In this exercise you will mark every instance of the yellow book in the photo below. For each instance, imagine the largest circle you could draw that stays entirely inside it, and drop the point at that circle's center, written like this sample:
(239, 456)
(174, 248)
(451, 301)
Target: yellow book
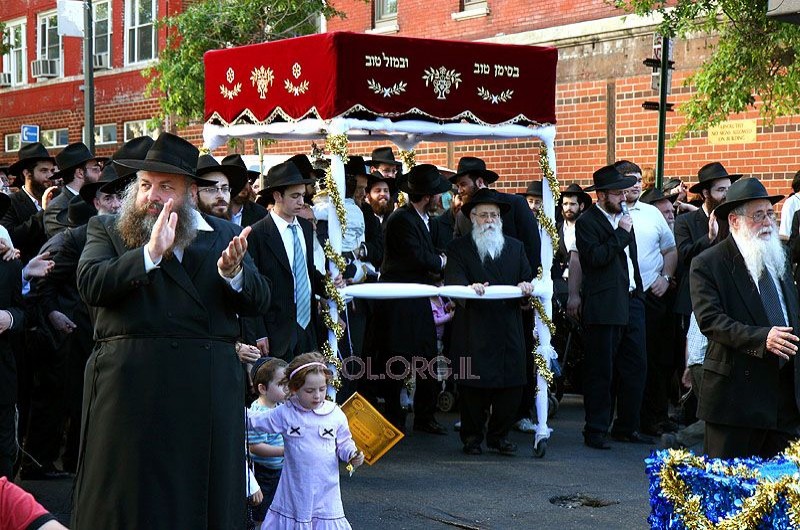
(373, 435)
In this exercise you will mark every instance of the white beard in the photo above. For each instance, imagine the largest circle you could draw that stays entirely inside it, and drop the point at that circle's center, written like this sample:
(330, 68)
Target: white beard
(760, 253)
(489, 239)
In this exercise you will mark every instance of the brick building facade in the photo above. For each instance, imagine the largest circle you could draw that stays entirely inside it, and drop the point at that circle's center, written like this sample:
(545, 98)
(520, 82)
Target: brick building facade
(601, 86)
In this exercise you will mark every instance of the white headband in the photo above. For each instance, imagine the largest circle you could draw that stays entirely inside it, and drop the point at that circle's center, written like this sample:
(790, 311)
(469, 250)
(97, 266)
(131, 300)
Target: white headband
(306, 366)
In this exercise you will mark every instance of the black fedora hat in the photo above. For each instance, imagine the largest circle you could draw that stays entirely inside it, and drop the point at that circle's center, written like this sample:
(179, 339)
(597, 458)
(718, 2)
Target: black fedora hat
(306, 169)
(72, 156)
(472, 165)
(383, 155)
(237, 176)
(355, 166)
(711, 172)
(236, 160)
(35, 152)
(169, 154)
(742, 191)
(109, 182)
(135, 149)
(5, 202)
(608, 178)
(653, 195)
(534, 188)
(282, 175)
(424, 179)
(671, 184)
(376, 176)
(77, 213)
(575, 190)
(486, 196)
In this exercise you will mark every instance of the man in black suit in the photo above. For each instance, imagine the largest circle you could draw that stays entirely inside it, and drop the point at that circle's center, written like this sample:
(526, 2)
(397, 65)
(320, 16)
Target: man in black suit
(746, 304)
(33, 171)
(489, 332)
(244, 210)
(698, 230)
(613, 314)
(230, 180)
(404, 328)
(282, 248)
(164, 386)
(77, 166)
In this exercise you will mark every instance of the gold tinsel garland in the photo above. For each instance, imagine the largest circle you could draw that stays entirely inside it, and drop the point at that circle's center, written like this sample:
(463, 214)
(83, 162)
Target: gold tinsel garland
(754, 508)
(547, 173)
(409, 158)
(548, 225)
(542, 366)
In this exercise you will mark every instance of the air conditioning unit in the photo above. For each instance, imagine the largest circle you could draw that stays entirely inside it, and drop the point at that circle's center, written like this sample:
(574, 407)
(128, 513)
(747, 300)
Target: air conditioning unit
(44, 68)
(5, 79)
(102, 61)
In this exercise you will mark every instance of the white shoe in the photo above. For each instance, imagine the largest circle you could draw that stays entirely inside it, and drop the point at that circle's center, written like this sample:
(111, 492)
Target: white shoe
(525, 425)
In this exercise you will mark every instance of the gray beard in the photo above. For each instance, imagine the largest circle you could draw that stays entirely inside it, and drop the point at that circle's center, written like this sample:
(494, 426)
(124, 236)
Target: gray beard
(760, 254)
(488, 239)
(135, 225)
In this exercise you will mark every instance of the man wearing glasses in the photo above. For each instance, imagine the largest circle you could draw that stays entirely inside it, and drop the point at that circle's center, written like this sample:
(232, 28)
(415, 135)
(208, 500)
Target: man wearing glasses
(613, 314)
(230, 180)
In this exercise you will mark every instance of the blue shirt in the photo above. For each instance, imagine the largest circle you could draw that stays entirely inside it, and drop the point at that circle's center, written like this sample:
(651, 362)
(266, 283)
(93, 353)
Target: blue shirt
(258, 437)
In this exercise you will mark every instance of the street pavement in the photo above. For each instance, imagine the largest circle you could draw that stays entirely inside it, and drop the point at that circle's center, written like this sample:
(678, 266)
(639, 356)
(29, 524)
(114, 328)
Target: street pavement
(426, 482)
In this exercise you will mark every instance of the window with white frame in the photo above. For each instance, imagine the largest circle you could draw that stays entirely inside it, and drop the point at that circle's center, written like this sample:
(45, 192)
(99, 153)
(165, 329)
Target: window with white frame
(140, 30)
(102, 26)
(385, 11)
(14, 62)
(54, 137)
(105, 133)
(48, 37)
(12, 142)
(134, 129)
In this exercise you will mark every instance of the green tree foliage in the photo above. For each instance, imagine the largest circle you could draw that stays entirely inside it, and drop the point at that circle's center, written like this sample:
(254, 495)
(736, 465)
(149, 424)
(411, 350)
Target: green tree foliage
(177, 77)
(5, 46)
(753, 56)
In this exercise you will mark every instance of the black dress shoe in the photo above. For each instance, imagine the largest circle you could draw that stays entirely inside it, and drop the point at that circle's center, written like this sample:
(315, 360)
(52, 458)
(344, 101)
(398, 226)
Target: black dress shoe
(596, 441)
(472, 449)
(46, 472)
(634, 437)
(504, 447)
(432, 427)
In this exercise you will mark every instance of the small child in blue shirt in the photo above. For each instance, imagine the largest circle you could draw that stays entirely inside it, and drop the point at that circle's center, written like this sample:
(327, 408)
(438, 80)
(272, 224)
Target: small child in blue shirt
(266, 449)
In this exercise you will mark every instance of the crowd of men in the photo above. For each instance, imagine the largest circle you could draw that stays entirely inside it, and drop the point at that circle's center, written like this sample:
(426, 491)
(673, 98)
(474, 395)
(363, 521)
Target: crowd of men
(136, 289)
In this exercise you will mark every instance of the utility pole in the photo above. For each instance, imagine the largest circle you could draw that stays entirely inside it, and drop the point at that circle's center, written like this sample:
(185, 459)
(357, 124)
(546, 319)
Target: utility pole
(663, 65)
(88, 74)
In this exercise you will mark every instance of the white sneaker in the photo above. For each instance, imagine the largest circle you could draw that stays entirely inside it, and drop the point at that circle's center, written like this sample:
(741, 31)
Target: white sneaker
(525, 425)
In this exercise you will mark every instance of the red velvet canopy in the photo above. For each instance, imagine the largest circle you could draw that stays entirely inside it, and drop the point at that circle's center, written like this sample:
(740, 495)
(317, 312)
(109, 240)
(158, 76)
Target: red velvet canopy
(366, 76)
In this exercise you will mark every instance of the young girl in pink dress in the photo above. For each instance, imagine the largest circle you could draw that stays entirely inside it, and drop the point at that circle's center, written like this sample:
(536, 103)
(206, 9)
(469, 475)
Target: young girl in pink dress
(315, 437)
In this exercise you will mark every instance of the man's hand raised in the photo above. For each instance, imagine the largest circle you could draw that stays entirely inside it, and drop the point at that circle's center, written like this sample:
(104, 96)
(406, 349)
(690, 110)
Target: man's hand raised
(229, 263)
(781, 342)
(162, 236)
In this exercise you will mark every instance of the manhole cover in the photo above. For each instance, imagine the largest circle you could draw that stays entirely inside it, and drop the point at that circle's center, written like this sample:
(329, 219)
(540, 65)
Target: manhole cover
(579, 499)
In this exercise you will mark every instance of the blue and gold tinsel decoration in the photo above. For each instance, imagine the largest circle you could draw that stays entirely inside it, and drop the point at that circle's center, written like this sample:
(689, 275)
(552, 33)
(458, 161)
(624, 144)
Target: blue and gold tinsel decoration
(698, 493)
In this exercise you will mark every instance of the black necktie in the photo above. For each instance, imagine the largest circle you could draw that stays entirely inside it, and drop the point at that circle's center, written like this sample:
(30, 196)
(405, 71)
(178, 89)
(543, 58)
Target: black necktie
(772, 304)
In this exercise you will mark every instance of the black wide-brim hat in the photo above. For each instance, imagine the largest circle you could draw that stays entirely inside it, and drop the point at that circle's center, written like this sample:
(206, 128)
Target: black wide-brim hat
(711, 172)
(575, 190)
(5, 202)
(72, 156)
(306, 168)
(424, 179)
(134, 149)
(534, 189)
(35, 152)
(236, 160)
(742, 191)
(376, 176)
(608, 178)
(653, 195)
(283, 175)
(169, 154)
(355, 166)
(486, 196)
(77, 213)
(383, 155)
(109, 182)
(672, 183)
(237, 176)
(471, 165)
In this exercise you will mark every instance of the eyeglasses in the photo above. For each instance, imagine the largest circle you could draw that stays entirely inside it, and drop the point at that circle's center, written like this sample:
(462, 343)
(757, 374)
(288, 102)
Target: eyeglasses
(225, 190)
(759, 217)
(487, 215)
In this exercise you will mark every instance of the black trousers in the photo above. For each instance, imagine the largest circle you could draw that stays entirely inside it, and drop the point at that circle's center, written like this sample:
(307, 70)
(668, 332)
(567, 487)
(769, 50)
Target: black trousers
(475, 404)
(615, 364)
(660, 324)
(526, 404)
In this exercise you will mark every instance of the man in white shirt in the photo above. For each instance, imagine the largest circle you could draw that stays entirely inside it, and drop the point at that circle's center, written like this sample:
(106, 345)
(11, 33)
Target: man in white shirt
(790, 207)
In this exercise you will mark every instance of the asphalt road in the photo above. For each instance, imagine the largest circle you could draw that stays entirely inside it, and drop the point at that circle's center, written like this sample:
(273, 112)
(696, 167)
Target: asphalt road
(426, 482)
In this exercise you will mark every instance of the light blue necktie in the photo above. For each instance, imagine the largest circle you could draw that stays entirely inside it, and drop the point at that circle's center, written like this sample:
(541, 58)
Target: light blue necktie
(302, 292)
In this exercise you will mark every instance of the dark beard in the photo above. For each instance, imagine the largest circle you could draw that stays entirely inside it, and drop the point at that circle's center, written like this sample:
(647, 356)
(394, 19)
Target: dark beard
(712, 203)
(382, 209)
(244, 197)
(209, 210)
(135, 224)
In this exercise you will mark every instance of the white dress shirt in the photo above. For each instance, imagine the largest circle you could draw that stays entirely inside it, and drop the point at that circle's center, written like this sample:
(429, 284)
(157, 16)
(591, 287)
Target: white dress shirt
(653, 238)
